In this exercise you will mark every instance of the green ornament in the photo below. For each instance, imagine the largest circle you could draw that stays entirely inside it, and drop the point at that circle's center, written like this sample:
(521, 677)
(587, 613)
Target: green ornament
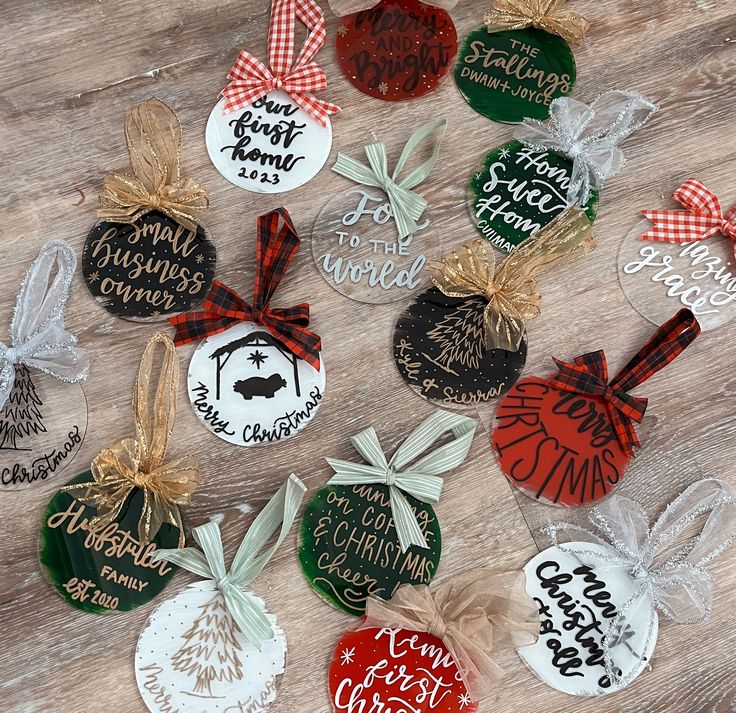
(105, 571)
(348, 547)
(511, 75)
(518, 191)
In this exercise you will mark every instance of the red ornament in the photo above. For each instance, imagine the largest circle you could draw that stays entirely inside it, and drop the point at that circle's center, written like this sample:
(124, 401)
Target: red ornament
(396, 670)
(398, 49)
(557, 446)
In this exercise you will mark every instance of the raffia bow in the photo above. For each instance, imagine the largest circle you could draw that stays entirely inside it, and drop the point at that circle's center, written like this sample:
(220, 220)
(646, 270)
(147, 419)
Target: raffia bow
(588, 136)
(510, 287)
(472, 614)
(667, 564)
(420, 480)
(153, 135)
(407, 206)
(250, 559)
(548, 15)
(38, 337)
(138, 463)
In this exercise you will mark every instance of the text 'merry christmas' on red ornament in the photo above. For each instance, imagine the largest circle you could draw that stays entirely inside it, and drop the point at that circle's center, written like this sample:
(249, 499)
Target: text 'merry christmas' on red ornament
(42, 422)
(568, 439)
(395, 49)
(100, 532)
(269, 133)
(686, 258)
(463, 342)
(215, 647)
(370, 242)
(524, 184)
(257, 376)
(149, 257)
(599, 591)
(520, 61)
(430, 650)
(373, 527)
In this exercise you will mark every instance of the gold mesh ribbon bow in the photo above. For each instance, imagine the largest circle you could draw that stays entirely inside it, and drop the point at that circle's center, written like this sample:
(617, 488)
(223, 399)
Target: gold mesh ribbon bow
(548, 15)
(471, 614)
(138, 463)
(510, 287)
(153, 135)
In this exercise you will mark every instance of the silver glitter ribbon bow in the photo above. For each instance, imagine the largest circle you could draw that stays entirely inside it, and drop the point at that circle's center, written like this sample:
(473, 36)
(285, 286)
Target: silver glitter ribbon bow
(588, 136)
(37, 335)
(667, 563)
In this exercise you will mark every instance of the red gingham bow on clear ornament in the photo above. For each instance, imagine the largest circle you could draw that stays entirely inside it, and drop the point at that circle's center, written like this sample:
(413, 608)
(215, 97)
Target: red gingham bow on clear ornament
(701, 219)
(250, 79)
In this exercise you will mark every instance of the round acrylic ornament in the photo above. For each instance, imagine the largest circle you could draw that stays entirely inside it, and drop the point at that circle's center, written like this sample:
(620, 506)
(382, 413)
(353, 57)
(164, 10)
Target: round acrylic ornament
(511, 75)
(357, 249)
(42, 426)
(106, 571)
(399, 49)
(348, 547)
(385, 668)
(557, 447)
(579, 594)
(440, 352)
(249, 389)
(659, 278)
(272, 146)
(191, 657)
(148, 270)
(519, 190)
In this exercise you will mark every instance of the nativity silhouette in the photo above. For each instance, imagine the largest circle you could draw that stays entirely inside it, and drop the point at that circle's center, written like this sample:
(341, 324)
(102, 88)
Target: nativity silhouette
(256, 385)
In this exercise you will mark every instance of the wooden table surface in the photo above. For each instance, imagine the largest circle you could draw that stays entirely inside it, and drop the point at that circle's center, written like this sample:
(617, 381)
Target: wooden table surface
(72, 68)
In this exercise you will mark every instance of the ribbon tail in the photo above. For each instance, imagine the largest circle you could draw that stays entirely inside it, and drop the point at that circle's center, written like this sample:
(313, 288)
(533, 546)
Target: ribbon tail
(249, 617)
(188, 558)
(7, 379)
(318, 109)
(407, 527)
(677, 226)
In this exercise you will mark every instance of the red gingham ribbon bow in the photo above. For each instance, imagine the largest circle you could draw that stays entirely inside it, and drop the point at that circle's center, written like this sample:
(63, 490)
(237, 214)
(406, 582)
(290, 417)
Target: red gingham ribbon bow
(224, 307)
(588, 374)
(250, 79)
(702, 218)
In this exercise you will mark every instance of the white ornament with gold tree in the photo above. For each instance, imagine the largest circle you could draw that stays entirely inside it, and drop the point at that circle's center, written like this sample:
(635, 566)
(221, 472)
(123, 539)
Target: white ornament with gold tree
(215, 647)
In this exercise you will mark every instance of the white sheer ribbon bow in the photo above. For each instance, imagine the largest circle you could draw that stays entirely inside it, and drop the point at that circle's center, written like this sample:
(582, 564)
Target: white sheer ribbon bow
(588, 136)
(37, 335)
(667, 562)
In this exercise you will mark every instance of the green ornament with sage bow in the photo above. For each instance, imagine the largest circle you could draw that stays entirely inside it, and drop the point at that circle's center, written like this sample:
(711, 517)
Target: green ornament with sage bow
(373, 527)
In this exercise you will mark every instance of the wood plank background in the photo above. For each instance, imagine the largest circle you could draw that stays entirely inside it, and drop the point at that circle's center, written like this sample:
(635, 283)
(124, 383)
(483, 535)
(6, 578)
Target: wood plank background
(71, 69)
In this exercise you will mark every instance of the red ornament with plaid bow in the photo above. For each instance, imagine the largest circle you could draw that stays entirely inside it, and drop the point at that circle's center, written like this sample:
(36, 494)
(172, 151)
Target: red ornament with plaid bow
(568, 439)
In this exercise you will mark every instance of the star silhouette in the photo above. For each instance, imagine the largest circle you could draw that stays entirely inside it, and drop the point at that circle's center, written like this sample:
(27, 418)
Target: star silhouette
(257, 358)
(464, 699)
(383, 88)
(505, 153)
(347, 655)
(200, 259)
(342, 30)
(94, 276)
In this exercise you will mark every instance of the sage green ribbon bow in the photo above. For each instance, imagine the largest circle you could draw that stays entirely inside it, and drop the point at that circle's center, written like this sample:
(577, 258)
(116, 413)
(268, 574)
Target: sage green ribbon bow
(249, 561)
(420, 480)
(406, 205)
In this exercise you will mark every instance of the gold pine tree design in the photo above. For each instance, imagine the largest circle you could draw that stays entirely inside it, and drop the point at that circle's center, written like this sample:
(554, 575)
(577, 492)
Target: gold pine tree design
(210, 650)
(459, 337)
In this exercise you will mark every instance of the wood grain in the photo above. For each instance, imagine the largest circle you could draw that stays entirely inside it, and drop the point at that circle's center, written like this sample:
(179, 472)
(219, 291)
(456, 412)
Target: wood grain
(69, 73)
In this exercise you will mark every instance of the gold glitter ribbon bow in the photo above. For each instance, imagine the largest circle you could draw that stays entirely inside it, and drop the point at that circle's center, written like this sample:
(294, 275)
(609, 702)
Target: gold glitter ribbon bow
(153, 135)
(510, 287)
(472, 614)
(548, 15)
(138, 463)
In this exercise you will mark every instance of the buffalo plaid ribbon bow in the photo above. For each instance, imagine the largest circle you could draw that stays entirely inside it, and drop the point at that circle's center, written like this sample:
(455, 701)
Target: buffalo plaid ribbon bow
(588, 375)
(250, 79)
(276, 244)
(701, 219)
